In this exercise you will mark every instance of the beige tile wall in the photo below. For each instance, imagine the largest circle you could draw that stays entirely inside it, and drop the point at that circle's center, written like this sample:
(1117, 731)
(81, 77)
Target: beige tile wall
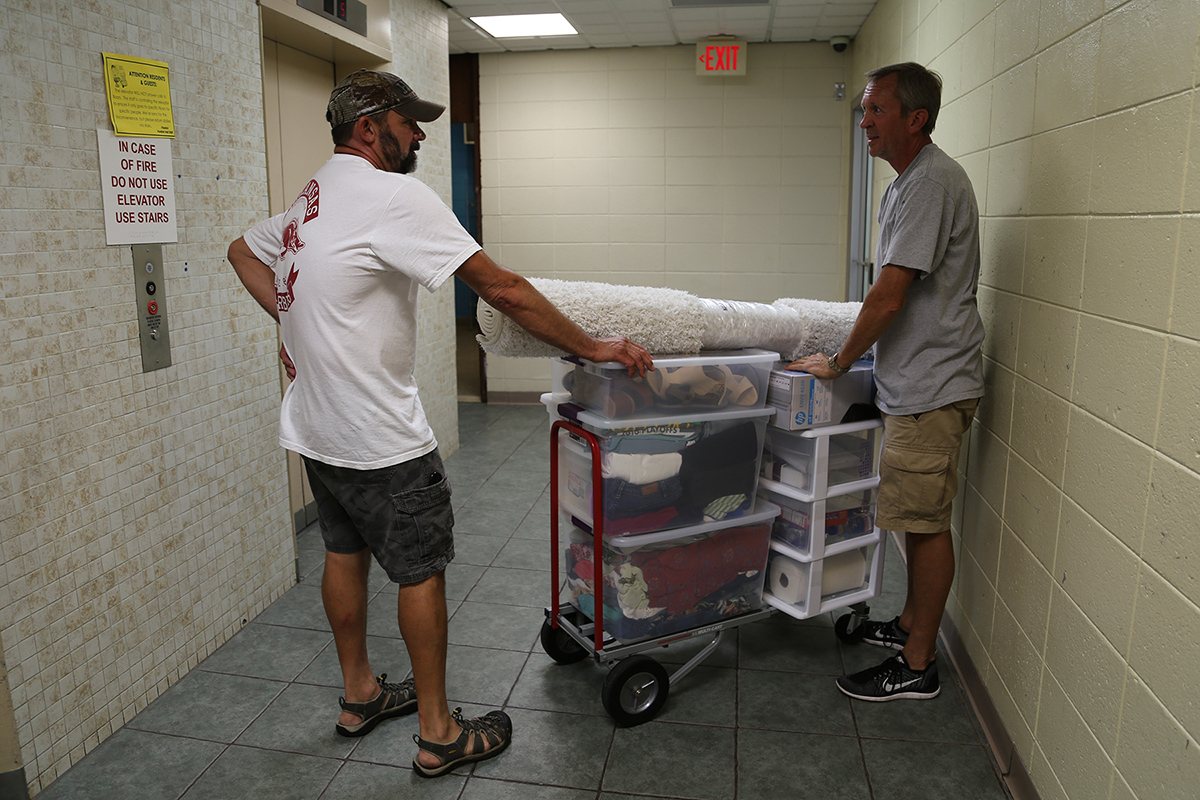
(144, 516)
(624, 166)
(1079, 568)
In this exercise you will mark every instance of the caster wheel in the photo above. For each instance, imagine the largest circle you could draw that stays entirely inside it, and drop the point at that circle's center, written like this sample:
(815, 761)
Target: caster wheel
(848, 634)
(559, 645)
(635, 690)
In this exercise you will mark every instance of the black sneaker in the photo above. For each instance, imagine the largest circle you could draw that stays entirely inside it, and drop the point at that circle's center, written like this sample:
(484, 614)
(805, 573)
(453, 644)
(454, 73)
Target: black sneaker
(892, 680)
(885, 634)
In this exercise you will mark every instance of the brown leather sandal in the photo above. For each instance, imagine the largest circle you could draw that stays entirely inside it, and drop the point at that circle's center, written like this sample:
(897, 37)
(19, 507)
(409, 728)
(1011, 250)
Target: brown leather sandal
(493, 730)
(393, 700)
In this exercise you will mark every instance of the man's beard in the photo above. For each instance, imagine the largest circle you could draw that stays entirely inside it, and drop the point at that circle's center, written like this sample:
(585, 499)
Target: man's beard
(394, 160)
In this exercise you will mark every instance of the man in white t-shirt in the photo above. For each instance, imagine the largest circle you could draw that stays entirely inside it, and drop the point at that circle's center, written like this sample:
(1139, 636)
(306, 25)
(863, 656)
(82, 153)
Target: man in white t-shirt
(341, 270)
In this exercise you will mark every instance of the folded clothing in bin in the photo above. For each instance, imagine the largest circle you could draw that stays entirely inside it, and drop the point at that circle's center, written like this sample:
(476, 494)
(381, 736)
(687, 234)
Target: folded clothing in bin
(698, 575)
(712, 477)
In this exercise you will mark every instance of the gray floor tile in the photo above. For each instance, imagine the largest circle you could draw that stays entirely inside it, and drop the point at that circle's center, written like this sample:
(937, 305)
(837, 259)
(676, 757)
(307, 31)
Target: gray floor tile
(793, 701)
(924, 771)
(519, 587)
(553, 748)
(571, 688)
(490, 515)
(381, 616)
(268, 651)
(497, 626)
(788, 766)
(134, 765)
(208, 705)
(666, 758)
(527, 554)
(475, 548)
(480, 675)
(479, 788)
(300, 607)
(310, 566)
(785, 647)
(251, 772)
(382, 782)
(387, 655)
(461, 579)
(300, 720)
(537, 524)
(706, 696)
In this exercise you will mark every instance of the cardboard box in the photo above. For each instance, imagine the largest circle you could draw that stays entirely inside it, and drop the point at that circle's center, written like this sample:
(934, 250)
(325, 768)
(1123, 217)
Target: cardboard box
(805, 401)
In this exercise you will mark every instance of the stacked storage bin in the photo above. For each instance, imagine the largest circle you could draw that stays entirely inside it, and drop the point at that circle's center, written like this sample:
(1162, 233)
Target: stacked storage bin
(826, 552)
(685, 536)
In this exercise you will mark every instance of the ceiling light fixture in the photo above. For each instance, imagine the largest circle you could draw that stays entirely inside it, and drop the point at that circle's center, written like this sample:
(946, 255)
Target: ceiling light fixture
(525, 26)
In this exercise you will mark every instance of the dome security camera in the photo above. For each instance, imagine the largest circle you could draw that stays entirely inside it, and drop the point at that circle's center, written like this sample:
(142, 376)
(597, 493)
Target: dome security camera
(839, 43)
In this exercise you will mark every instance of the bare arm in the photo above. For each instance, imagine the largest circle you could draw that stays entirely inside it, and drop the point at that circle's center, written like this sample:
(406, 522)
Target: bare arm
(257, 277)
(515, 297)
(881, 305)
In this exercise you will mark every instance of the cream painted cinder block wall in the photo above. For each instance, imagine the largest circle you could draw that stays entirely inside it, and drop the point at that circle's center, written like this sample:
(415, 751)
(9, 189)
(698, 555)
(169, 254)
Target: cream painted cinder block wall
(624, 166)
(1079, 565)
(144, 516)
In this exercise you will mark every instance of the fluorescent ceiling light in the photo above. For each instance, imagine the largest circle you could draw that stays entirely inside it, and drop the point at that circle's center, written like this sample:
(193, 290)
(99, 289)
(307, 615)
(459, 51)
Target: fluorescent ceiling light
(525, 25)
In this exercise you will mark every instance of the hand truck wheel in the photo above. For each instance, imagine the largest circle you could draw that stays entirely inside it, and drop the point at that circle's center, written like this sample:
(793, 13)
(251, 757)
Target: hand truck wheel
(635, 690)
(559, 645)
(851, 628)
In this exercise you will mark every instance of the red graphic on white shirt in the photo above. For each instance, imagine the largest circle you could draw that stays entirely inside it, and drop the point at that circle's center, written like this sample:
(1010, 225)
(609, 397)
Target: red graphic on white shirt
(311, 197)
(291, 240)
(284, 300)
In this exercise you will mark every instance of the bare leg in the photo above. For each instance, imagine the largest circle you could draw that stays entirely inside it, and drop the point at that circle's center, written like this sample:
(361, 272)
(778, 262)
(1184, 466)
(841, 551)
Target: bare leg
(931, 572)
(344, 593)
(421, 612)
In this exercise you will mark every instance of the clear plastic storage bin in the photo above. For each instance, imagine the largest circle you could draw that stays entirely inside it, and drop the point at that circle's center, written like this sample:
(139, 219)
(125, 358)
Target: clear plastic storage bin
(804, 589)
(847, 517)
(656, 584)
(660, 474)
(819, 460)
(717, 380)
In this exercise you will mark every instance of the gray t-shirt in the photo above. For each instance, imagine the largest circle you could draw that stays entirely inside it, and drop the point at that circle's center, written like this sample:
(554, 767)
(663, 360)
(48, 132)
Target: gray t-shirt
(930, 356)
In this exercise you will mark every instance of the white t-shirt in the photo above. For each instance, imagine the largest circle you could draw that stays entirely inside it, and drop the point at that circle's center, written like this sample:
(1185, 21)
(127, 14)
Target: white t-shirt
(348, 257)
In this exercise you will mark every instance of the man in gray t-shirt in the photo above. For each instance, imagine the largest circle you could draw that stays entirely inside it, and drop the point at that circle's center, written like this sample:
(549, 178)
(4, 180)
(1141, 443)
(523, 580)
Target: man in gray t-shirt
(922, 317)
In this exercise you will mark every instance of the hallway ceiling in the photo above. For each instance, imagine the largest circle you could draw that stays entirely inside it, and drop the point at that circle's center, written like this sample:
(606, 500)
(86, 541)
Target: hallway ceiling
(651, 23)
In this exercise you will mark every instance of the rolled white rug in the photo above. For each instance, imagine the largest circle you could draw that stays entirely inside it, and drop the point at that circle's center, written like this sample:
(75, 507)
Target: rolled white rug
(661, 320)
(826, 326)
(668, 321)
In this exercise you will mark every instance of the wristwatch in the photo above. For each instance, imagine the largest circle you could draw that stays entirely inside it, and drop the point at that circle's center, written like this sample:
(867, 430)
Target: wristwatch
(836, 367)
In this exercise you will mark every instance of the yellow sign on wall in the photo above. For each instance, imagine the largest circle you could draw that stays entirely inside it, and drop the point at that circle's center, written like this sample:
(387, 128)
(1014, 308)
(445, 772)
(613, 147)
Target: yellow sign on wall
(139, 96)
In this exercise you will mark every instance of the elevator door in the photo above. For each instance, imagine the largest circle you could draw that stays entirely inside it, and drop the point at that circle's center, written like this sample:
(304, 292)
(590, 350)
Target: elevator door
(296, 89)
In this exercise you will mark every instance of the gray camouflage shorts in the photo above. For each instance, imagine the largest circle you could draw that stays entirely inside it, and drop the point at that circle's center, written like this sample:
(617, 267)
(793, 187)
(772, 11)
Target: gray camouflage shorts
(401, 512)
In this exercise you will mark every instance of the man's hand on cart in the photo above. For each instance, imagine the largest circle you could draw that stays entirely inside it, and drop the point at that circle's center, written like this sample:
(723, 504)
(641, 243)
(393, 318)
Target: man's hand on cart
(636, 358)
(816, 364)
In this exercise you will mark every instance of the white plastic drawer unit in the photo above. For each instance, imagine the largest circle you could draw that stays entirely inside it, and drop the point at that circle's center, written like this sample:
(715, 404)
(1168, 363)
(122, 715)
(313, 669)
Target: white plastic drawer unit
(659, 474)
(817, 527)
(717, 380)
(819, 460)
(803, 589)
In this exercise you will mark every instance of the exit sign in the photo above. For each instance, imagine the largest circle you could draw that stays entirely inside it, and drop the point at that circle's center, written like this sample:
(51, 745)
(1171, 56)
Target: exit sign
(721, 57)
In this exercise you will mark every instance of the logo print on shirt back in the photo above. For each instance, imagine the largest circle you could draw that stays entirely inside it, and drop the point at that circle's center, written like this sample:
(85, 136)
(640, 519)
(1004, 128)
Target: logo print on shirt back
(284, 300)
(312, 196)
(291, 240)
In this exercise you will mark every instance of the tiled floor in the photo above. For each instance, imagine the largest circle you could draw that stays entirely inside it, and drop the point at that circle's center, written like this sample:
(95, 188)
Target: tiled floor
(759, 719)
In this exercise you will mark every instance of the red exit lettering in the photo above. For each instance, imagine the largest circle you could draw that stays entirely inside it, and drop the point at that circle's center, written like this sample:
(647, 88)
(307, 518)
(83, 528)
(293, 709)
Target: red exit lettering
(720, 58)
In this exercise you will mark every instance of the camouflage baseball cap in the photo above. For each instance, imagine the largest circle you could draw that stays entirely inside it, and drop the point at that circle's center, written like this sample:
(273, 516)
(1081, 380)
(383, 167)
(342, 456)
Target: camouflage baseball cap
(367, 92)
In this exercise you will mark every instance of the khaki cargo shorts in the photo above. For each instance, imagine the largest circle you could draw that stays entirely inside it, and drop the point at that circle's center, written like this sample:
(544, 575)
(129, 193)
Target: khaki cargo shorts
(918, 470)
